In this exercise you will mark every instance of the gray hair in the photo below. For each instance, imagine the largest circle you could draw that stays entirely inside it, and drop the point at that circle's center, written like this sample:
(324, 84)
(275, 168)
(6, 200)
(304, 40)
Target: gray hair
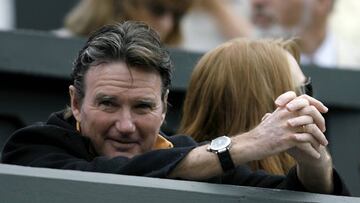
(133, 43)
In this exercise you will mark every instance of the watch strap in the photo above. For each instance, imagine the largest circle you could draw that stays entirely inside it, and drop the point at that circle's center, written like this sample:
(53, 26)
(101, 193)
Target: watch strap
(226, 161)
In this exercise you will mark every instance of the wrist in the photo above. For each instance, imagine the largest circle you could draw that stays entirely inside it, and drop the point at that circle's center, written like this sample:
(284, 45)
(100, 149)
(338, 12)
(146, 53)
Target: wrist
(324, 160)
(243, 149)
(221, 146)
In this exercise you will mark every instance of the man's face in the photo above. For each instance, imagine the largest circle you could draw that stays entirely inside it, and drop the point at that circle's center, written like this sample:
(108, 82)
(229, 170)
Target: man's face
(122, 110)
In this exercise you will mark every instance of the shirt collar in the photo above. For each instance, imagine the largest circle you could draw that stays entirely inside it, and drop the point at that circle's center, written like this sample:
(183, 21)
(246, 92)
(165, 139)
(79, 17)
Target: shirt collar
(162, 143)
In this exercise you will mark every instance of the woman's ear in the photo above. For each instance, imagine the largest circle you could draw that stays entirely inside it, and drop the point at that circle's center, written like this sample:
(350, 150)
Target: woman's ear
(74, 102)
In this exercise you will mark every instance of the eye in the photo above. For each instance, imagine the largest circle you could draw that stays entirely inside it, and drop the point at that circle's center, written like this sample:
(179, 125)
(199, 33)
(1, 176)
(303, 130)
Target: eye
(107, 105)
(144, 107)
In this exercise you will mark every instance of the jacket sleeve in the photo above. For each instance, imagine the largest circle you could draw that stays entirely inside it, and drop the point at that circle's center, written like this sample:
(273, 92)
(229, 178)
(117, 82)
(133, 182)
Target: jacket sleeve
(53, 148)
(242, 175)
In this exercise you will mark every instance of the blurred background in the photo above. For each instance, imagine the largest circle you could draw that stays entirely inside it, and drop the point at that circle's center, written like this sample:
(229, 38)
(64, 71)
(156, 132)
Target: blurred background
(49, 15)
(343, 20)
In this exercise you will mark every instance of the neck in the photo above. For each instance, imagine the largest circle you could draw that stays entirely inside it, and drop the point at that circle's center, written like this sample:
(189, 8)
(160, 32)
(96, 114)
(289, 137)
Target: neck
(312, 37)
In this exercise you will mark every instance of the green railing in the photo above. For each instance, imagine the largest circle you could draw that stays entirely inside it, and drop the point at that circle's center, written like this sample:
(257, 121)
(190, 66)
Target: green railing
(26, 184)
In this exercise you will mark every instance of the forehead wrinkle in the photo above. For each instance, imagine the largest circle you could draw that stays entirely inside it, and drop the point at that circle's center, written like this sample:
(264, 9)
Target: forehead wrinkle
(115, 79)
(113, 82)
(106, 75)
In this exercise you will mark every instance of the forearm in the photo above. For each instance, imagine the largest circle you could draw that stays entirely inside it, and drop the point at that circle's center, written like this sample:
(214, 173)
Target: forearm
(197, 165)
(318, 175)
(200, 164)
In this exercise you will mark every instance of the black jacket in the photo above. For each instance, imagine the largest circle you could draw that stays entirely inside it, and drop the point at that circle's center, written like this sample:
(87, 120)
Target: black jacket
(56, 144)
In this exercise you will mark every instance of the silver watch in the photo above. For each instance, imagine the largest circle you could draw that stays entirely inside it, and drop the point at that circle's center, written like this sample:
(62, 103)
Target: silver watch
(221, 147)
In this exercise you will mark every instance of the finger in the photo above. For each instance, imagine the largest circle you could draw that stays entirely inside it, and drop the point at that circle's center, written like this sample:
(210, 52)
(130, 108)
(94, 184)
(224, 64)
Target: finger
(308, 138)
(265, 116)
(285, 98)
(316, 133)
(300, 121)
(297, 104)
(318, 119)
(308, 149)
(318, 104)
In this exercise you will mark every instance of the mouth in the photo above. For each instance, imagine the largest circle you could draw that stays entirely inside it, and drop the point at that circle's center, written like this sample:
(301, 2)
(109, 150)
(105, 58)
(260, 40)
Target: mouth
(122, 145)
(262, 18)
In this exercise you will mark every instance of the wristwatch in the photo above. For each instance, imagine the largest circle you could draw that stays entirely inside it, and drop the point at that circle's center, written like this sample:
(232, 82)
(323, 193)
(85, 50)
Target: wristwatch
(221, 146)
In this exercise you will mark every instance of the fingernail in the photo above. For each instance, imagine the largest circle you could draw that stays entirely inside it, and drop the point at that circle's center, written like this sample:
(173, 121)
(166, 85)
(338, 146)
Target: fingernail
(278, 103)
(290, 107)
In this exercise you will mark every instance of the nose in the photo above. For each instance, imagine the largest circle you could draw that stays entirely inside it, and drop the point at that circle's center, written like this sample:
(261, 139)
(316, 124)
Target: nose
(125, 123)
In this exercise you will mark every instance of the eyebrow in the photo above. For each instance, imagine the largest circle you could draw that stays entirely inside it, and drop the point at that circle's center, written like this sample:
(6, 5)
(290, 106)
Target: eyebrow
(149, 101)
(146, 99)
(102, 96)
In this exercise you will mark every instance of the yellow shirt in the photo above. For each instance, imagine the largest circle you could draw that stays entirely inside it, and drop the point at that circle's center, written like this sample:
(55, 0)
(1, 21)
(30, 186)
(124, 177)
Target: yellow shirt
(162, 143)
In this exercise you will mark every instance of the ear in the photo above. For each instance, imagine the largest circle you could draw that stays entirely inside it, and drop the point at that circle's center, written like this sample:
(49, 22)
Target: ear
(74, 102)
(164, 106)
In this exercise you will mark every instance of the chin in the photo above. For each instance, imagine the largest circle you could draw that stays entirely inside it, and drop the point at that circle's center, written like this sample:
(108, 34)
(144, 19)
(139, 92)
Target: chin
(123, 154)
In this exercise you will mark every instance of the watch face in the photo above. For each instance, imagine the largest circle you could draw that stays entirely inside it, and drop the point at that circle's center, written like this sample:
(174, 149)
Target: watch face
(220, 143)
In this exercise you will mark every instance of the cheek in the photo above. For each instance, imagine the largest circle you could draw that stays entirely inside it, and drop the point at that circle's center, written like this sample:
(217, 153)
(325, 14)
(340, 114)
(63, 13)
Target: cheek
(151, 123)
(96, 124)
(149, 126)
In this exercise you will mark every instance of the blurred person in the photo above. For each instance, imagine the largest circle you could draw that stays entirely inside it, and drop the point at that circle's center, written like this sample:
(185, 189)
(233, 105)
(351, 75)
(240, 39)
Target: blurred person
(212, 22)
(118, 97)
(308, 20)
(163, 15)
(263, 19)
(235, 85)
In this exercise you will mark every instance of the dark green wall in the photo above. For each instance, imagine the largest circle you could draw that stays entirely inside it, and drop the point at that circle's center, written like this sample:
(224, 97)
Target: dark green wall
(41, 14)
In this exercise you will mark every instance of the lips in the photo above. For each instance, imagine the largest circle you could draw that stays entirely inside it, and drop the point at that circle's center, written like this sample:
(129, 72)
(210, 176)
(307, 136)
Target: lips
(122, 144)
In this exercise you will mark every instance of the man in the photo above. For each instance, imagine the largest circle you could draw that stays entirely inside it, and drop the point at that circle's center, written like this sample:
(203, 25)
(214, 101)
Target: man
(308, 20)
(121, 81)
